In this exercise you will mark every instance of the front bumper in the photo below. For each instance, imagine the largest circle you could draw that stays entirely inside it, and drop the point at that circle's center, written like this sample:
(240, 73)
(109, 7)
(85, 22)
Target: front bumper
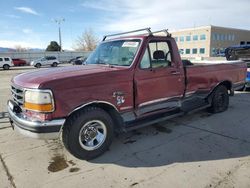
(35, 129)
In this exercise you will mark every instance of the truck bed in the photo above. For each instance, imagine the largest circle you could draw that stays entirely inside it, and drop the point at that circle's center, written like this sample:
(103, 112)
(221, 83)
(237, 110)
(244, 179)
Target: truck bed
(203, 76)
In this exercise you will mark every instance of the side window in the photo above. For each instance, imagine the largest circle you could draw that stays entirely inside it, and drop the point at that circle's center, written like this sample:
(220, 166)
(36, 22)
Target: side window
(145, 62)
(1, 59)
(160, 54)
(6, 59)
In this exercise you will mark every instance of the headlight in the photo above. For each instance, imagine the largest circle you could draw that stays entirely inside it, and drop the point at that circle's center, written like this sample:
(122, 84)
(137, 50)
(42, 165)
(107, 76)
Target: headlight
(40, 101)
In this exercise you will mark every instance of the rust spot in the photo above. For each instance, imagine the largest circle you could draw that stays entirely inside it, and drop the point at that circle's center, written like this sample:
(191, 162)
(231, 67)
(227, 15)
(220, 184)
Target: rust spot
(58, 163)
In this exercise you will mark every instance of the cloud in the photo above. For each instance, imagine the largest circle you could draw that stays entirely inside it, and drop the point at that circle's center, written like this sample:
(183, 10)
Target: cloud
(27, 10)
(13, 44)
(27, 31)
(12, 16)
(123, 15)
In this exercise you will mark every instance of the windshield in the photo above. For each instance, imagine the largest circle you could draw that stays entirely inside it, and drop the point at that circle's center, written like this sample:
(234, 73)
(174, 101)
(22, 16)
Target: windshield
(119, 52)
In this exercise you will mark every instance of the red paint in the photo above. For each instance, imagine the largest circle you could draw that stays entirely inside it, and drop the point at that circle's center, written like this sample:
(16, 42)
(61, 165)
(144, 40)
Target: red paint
(19, 62)
(78, 85)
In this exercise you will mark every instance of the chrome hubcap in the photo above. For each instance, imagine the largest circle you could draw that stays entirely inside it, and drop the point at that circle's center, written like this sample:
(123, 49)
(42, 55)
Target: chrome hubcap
(92, 135)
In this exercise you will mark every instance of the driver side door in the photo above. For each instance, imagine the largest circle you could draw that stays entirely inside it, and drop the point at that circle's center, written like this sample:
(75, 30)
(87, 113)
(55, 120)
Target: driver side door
(158, 81)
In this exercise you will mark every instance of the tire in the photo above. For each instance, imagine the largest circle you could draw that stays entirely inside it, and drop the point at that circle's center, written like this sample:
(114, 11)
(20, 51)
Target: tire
(54, 64)
(220, 100)
(6, 67)
(38, 65)
(80, 133)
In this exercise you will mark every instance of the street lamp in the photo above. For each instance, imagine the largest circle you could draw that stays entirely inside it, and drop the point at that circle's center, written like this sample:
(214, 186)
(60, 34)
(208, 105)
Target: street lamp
(59, 21)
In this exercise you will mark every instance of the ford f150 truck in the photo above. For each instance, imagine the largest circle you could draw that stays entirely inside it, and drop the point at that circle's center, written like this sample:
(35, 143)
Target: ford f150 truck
(126, 83)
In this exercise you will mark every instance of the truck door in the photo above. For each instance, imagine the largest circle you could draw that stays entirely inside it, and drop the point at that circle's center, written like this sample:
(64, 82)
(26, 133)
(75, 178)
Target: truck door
(159, 83)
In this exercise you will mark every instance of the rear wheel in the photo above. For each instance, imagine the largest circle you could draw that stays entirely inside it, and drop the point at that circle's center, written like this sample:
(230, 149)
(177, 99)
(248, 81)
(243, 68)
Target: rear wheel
(54, 64)
(38, 65)
(220, 100)
(88, 133)
(6, 67)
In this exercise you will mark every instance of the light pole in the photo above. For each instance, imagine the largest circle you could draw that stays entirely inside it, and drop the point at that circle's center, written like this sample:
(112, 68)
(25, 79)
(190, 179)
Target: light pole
(59, 21)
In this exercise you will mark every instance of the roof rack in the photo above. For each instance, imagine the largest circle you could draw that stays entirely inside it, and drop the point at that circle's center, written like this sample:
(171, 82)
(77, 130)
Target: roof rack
(148, 29)
(134, 31)
(163, 31)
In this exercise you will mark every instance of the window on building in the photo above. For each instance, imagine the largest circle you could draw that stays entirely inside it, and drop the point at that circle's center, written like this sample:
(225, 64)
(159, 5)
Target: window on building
(222, 37)
(181, 39)
(233, 37)
(195, 37)
(181, 51)
(176, 39)
(242, 43)
(188, 38)
(203, 37)
(218, 37)
(202, 50)
(214, 36)
(213, 51)
(194, 51)
(187, 51)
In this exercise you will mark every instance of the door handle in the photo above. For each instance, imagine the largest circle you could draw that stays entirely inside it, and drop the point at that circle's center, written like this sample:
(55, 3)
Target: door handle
(175, 72)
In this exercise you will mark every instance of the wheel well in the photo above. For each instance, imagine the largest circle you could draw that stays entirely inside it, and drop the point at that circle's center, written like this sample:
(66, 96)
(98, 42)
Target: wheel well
(225, 83)
(112, 111)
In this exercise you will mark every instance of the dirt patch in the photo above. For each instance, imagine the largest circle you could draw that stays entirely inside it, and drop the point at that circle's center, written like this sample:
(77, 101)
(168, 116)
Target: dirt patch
(162, 129)
(130, 141)
(74, 169)
(58, 163)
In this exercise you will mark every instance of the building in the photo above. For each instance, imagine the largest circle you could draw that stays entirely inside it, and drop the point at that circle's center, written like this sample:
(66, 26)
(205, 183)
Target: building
(208, 41)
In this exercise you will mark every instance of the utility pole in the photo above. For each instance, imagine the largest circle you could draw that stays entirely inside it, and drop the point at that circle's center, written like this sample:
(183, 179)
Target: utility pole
(59, 21)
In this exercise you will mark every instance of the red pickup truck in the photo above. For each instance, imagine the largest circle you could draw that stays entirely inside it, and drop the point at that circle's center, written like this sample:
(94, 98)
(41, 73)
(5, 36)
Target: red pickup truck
(126, 83)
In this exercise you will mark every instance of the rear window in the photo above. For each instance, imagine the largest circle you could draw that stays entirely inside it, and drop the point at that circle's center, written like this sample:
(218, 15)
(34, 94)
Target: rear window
(6, 59)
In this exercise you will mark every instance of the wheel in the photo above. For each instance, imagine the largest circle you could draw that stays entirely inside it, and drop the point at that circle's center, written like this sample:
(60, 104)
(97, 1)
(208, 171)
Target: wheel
(88, 133)
(54, 64)
(38, 65)
(220, 100)
(6, 67)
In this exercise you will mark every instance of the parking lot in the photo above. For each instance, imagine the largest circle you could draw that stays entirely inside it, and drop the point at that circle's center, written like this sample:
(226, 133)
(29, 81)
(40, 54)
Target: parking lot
(197, 150)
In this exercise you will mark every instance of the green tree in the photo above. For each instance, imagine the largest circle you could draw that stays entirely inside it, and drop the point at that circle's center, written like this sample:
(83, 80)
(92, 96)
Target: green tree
(53, 46)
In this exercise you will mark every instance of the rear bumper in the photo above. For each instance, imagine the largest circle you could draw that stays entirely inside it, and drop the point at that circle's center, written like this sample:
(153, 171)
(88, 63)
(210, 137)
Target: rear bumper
(40, 130)
(239, 85)
(247, 83)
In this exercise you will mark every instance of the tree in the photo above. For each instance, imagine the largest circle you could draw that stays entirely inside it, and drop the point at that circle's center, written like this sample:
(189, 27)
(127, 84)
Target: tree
(87, 42)
(53, 46)
(19, 48)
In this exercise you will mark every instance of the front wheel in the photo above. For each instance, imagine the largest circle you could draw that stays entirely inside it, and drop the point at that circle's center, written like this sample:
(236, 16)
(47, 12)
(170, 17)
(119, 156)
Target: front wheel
(220, 100)
(6, 67)
(88, 133)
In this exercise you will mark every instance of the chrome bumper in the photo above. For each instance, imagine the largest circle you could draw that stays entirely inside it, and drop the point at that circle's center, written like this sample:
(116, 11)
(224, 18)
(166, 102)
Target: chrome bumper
(40, 130)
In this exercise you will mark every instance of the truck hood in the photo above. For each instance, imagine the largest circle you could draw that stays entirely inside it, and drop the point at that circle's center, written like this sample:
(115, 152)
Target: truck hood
(36, 79)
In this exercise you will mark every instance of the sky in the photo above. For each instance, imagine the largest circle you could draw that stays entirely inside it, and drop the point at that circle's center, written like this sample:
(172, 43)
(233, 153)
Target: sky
(30, 23)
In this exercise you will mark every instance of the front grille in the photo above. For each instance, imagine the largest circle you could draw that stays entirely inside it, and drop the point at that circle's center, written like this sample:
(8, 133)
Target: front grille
(17, 94)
